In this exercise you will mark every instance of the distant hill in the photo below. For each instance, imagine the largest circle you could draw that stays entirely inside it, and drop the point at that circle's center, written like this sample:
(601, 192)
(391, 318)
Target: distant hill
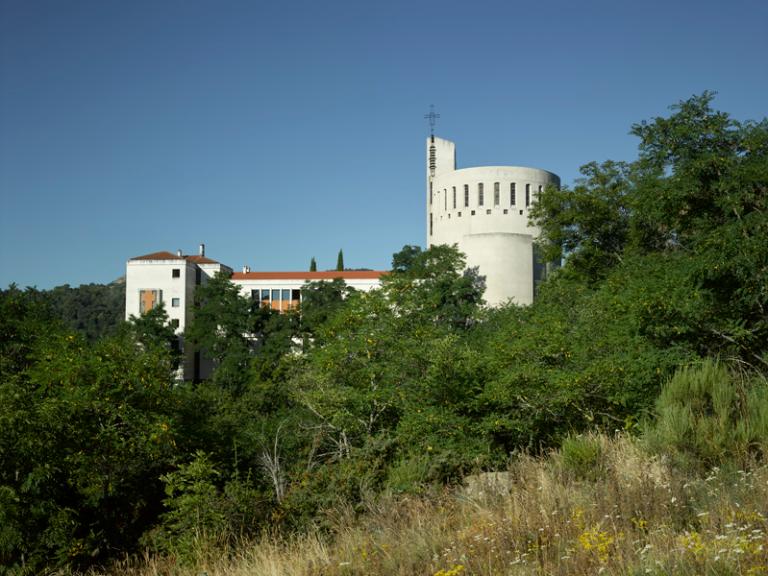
(93, 309)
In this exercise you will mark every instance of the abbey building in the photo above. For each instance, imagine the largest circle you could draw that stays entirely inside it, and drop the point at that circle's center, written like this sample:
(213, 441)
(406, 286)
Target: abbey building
(484, 211)
(170, 278)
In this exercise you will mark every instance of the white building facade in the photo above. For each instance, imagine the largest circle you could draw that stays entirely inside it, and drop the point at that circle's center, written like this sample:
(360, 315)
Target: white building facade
(484, 212)
(171, 279)
(282, 290)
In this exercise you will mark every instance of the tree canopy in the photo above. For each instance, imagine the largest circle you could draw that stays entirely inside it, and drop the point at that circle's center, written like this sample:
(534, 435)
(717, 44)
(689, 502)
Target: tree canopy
(416, 383)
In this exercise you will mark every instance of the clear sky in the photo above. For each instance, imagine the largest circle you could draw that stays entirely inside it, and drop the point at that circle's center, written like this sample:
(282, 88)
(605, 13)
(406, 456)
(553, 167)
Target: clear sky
(277, 131)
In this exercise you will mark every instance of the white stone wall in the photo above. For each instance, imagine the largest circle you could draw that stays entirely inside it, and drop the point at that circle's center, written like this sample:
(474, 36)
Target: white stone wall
(157, 275)
(247, 285)
(495, 236)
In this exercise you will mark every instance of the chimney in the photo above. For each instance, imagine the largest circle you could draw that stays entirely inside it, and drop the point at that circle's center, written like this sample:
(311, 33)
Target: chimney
(201, 252)
(246, 269)
(178, 252)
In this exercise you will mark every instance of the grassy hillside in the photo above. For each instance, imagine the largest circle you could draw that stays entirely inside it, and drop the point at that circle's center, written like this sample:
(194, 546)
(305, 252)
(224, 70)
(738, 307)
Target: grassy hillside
(599, 505)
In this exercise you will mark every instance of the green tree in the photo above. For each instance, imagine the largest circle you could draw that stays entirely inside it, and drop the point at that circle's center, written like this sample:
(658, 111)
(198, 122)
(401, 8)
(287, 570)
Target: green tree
(154, 332)
(698, 192)
(589, 223)
(313, 265)
(340, 261)
(96, 310)
(85, 432)
(702, 184)
(221, 327)
(435, 286)
(374, 369)
(320, 301)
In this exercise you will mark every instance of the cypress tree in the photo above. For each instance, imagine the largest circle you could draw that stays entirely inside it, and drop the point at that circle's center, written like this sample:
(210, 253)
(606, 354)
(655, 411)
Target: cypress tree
(313, 265)
(340, 261)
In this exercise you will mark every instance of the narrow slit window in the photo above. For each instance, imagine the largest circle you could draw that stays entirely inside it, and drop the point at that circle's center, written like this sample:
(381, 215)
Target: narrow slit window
(454, 197)
(480, 194)
(466, 195)
(496, 194)
(512, 194)
(527, 194)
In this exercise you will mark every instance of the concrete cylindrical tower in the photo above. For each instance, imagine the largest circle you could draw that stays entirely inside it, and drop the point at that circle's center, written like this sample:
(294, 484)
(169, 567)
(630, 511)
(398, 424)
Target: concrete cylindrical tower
(484, 211)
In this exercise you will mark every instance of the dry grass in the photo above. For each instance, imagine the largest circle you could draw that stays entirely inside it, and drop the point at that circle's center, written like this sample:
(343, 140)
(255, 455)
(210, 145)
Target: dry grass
(638, 516)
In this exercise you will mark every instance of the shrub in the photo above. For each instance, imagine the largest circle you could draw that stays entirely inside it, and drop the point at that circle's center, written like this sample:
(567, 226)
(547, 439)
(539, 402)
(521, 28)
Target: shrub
(582, 456)
(708, 415)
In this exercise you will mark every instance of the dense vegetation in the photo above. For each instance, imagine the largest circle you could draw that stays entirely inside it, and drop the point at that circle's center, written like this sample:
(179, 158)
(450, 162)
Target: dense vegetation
(410, 386)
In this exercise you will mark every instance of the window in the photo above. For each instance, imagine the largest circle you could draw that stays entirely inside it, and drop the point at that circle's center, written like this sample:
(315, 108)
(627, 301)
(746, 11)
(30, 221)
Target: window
(176, 273)
(275, 295)
(459, 214)
(430, 193)
(496, 193)
(148, 299)
(454, 197)
(512, 194)
(466, 195)
(527, 194)
(295, 298)
(430, 223)
(174, 322)
(505, 211)
(445, 199)
(472, 213)
(488, 211)
(264, 297)
(480, 194)
(175, 302)
(254, 294)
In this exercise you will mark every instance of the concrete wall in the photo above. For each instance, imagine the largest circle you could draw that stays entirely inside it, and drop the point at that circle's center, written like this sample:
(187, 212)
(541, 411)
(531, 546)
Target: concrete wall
(158, 275)
(246, 285)
(494, 234)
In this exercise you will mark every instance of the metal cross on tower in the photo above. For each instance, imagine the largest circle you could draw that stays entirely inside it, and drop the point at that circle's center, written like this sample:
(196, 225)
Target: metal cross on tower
(432, 117)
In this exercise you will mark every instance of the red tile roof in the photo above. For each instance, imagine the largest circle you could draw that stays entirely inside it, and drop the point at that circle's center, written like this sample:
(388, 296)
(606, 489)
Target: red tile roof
(307, 276)
(158, 256)
(201, 260)
(171, 256)
(329, 275)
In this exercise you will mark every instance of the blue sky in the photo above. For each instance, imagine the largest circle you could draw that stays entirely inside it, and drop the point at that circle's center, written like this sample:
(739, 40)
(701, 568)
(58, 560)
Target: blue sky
(277, 131)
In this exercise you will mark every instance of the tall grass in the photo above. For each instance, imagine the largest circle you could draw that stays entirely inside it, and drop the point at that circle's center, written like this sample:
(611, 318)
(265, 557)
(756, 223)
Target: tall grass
(689, 498)
(638, 515)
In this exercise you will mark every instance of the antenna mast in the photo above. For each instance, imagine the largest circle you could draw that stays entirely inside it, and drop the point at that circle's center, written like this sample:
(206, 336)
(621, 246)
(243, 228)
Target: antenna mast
(432, 117)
